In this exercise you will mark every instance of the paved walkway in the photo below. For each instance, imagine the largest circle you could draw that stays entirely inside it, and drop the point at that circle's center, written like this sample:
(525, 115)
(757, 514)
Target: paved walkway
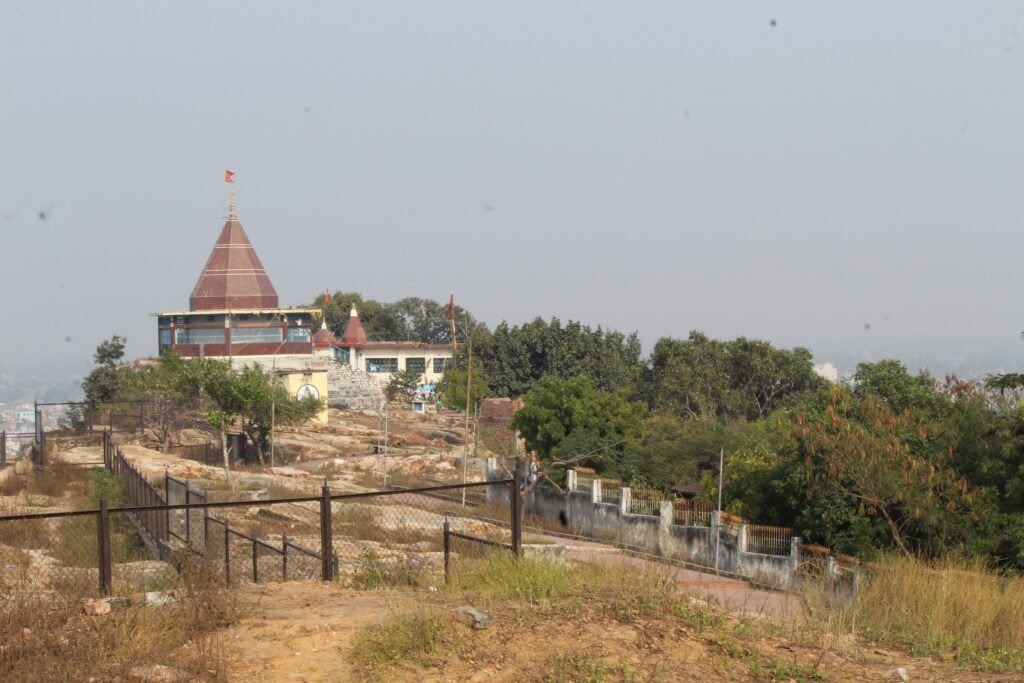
(733, 594)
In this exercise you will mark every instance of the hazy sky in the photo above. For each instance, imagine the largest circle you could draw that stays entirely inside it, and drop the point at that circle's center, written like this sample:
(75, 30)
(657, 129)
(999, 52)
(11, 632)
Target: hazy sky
(785, 170)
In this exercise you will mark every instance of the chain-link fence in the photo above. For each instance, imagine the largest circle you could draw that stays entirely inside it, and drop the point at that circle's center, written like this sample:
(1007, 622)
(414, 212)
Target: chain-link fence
(362, 540)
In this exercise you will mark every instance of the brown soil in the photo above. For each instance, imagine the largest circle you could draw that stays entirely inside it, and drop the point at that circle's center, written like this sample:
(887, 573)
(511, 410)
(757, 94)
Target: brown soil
(301, 631)
(305, 632)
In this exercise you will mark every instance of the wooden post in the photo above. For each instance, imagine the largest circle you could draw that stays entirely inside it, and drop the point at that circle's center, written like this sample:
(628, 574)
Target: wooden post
(516, 523)
(326, 540)
(103, 537)
(255, 563)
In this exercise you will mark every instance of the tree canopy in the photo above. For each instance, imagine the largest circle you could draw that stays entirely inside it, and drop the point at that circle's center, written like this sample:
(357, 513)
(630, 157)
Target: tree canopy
(570, 421)
(742, 379)
(516, 357)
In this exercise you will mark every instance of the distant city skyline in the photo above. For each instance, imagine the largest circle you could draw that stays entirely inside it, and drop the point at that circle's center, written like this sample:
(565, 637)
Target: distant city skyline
(843, 178)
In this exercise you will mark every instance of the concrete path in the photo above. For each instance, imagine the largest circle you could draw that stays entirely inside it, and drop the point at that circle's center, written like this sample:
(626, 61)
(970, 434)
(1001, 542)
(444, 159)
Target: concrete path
(732, 594)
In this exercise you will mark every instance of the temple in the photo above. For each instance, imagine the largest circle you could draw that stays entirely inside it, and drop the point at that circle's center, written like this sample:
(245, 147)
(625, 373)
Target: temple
(386, 357)
(233, 309)
(234, 313)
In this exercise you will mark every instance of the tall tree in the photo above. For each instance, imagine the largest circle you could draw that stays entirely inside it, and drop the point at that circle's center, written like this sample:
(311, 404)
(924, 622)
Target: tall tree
(515, 358)
(880, 459)
(742, 379)
(266, 403)
(570, 421)
(171, 399)
(408, 319)
(103, 383)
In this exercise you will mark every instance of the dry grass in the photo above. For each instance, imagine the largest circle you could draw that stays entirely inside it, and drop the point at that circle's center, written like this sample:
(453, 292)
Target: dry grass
(48, 639)
(409, 638)
(951, 609)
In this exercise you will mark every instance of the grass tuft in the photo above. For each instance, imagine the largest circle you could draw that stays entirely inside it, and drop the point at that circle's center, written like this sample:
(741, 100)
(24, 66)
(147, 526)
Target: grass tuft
(949, 608)
(404, 639)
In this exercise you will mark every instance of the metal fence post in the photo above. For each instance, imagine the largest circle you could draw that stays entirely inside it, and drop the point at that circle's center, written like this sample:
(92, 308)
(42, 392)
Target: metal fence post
(326, 540)
(255, 564)
(227, 555)
(103, 533)
(188, 515)
(3, 448)
(447, 548)
(284, 561)
(516, 523)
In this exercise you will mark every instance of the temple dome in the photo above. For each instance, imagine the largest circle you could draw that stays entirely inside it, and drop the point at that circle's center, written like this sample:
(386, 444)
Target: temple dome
(234, 277)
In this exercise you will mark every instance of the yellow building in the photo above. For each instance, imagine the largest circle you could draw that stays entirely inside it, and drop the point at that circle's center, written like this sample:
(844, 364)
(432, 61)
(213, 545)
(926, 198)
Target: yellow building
(308, 382)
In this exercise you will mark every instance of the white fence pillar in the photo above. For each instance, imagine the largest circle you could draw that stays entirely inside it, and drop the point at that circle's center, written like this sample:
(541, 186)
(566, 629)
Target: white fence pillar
(794, 551)
(595, 491)
(625, 500)
(570, 480)
(667, 517)
(741, 538)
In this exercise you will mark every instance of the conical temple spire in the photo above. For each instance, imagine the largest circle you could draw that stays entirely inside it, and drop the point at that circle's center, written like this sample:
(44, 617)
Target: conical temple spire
(354, 332)
(234, 277)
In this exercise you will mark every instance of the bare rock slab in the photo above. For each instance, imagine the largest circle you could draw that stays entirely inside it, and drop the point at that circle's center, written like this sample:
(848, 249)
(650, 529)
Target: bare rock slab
(471, 616)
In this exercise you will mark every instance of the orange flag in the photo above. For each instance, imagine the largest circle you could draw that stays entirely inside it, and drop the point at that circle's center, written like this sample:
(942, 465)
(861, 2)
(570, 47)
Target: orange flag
(228, 175)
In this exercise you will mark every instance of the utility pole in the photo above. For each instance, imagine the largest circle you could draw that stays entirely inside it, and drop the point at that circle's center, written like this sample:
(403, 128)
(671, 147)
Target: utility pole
(469, 384)
(273, 390)
(718, 535)
(385, 443)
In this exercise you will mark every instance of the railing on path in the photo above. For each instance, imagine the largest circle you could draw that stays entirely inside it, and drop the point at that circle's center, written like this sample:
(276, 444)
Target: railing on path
(381, 535)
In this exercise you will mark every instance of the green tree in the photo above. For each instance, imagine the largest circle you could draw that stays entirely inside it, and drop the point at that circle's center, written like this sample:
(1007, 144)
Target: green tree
(171, 399)
(408, 319)
(219, 383)
(266, 403)
(567, 422)
(451, 390)
(515, 358)
(742, 379)
(402, 385)
(879, 459)
(104, 382)
(890, 381)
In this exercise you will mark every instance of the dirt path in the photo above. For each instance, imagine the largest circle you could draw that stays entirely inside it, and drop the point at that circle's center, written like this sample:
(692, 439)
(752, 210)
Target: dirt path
(301, 631)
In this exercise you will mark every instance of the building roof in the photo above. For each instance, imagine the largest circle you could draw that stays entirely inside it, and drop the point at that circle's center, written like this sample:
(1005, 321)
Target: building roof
(245, 311)
(354, 332)
(395, 346)
(324, 337)
(233, 277)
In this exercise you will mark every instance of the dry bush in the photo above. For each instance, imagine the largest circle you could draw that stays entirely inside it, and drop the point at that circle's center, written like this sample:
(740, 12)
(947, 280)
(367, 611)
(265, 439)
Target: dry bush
(12, 485)
(412, 638)
(58, 480)
(949, 607)
(47, 638)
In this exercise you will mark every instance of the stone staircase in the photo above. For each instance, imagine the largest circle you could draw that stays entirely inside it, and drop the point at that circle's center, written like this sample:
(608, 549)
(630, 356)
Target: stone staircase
(353, 389)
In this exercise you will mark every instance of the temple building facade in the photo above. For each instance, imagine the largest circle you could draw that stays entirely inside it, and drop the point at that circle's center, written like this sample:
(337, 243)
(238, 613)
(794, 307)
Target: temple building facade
(383, 358)
(233, 310)
(234, 313)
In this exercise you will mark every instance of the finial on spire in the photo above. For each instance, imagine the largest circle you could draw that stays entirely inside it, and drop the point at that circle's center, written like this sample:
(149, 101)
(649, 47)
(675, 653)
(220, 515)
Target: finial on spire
(231, 207)
(353, 313)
